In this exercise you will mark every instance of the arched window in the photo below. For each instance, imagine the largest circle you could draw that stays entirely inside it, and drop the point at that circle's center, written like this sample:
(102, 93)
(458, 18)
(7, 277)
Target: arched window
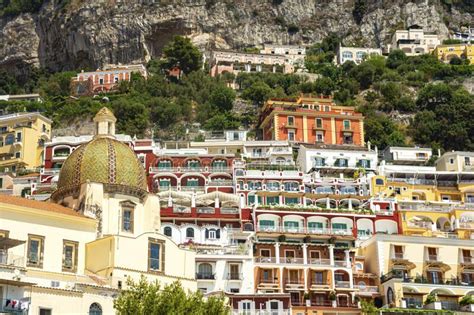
(190, 232)
(167, 231)
(205, 271)
(390, 296)
(95, 309)
(9, 139)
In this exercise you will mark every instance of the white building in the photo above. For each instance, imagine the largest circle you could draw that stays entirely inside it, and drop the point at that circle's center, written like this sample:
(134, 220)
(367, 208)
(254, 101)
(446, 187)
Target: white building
(336, 159)
(355, 54)
(407, 155)
(414, 41)
(271, 152)
(465, 37)
(295, 53)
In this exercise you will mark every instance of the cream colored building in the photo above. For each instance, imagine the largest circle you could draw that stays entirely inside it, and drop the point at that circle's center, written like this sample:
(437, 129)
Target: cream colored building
(356, 54)
(415, 41)
(456, 161)
(411, 267)
(73, 255)
(22, 138)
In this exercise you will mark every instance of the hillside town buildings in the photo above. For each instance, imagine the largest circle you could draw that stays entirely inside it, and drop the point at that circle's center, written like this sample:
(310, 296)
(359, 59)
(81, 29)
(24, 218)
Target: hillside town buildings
(285, 225)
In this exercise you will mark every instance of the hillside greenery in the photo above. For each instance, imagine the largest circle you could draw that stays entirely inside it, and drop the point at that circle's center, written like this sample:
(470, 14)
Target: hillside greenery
(406, 100)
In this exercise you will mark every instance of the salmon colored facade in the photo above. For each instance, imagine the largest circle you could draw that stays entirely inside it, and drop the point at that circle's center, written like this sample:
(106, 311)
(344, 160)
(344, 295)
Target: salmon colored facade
(309, 119)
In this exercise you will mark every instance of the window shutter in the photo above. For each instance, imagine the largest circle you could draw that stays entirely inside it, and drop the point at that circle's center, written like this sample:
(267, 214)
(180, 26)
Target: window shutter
(207, 233)
(218, 233)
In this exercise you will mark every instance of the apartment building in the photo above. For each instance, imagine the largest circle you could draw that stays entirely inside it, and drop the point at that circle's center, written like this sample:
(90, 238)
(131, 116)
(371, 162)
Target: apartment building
(237, 62)
(423, 184)
(462, 51)
(337, 159)
(414, 267)
(356, 54)
(415, 41)
(294, 53)
(311, 119)
(22, 139)
(104, 80)
(407, 155)
(456, 161)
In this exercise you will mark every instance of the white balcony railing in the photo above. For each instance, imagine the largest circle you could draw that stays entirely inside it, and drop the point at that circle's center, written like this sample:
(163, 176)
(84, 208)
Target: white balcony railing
(304, 230)
(8, 259)
(367, 288)
(343, 284)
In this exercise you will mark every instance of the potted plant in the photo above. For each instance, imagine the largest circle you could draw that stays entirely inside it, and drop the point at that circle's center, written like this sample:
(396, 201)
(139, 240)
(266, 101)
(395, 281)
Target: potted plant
(432, 303)
(307, 298)
(332, 298)
(467, 303)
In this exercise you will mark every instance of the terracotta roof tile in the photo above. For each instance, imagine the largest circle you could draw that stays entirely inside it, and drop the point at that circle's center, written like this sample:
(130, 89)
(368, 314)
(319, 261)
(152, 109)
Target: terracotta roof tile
(39, 205)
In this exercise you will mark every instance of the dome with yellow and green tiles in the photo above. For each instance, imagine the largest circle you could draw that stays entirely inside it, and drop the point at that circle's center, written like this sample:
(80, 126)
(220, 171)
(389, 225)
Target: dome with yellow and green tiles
(103, 160)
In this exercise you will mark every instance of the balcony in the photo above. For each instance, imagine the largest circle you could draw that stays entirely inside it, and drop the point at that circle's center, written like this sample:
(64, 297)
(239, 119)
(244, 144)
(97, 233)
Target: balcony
(220, 170)
(291, 260)
(207, 210)
(319, 285)
(292, 284)
(343, 284)
(319, 261)
(261, 312)
(367, 289)
(227, 210)
(234, 276)
(264, 283)
(303, 230)
(220, 183)
(205, 276)
(193, 188)
(265, 260)
(50, 171)
(7, 259)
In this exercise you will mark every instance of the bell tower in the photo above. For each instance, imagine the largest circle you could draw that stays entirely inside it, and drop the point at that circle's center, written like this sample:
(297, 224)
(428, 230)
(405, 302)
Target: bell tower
(105, 123)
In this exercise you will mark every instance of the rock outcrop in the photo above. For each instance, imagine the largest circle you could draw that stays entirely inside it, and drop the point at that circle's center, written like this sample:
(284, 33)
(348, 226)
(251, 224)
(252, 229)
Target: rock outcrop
(90, 33)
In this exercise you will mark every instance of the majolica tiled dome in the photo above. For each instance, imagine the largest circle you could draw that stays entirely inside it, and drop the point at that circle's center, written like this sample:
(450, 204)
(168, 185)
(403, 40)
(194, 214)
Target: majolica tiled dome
(102, 160)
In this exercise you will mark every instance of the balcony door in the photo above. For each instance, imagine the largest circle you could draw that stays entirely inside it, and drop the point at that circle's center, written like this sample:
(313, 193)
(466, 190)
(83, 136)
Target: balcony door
(317, 278)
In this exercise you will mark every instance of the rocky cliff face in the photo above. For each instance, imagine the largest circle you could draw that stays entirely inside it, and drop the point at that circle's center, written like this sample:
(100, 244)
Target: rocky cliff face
(90, 33)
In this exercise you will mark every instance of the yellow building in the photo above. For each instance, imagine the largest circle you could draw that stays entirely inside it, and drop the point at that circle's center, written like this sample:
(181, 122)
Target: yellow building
(22, 137)
(413, 267)
(431, 186)
(73, 255)
(463, 51)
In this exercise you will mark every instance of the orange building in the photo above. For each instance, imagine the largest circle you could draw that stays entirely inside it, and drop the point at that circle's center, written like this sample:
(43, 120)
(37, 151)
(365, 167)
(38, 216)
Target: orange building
(309, 119)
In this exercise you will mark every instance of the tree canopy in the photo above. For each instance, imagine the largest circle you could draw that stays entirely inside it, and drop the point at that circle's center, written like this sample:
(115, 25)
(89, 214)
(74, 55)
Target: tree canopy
(144, 298)
(181, 53)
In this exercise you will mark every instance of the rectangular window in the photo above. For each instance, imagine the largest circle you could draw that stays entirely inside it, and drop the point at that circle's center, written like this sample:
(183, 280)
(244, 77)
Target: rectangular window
(318, 277)
(339, 226)
(155, 255)
(467, 161)
(45, 311)
(291, 201)
(18, 137)
(35, 251)
(273, 200)
(319, 161)
(319, 123)
(319, 137)
(398, 251)
(291, 121)
(127, 220)
(265, 252)
(291, 135)
(192, 182)
(212, 234)
(70, 249)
